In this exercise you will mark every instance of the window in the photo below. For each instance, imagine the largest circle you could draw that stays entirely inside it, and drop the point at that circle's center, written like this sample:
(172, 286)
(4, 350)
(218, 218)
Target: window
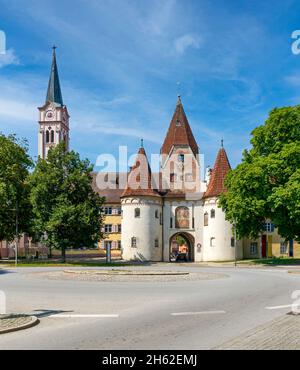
(205, 219)
(182, 218)
(52, 136)
(133, 242)
(108, 244)
(212, 242)
(108, 228)
(108, 210)
(172, 177)
(283, 248)
(181, 158)
(137, 213)
(119, 210)
(171, 222)
(156, 243)
(212, 213)
(156, 214)
(47, 136)
(119, 228)
(232, 242)
(119, 244)
(269, 227)
(178, 123)
(253, 249)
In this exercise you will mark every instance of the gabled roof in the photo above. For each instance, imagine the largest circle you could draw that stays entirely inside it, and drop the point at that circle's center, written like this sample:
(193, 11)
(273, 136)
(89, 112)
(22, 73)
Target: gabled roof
(54, 94)
(179, 132)
(140, 178)
(218, 174)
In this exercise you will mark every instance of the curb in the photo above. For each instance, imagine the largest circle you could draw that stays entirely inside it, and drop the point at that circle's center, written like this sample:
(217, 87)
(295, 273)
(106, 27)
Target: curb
(34, 321)
(125, 273)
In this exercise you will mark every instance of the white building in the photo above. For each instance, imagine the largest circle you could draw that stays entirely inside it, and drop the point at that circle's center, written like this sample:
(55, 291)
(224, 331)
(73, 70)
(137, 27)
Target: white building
(163, 213)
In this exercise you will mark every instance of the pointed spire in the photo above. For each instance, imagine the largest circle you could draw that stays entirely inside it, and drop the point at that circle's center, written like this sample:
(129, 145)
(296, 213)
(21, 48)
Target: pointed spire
(139, 181)
(218, 174)
(222, 143)
(179, 132)
(54, 92)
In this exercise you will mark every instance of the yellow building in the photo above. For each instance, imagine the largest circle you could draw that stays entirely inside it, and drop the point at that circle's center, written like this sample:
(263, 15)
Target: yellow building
(270, 244)
(111, 210)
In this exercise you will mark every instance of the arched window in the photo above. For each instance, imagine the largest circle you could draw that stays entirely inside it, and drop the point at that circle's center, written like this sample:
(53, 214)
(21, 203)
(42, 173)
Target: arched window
(212, 213)
(137, 213)
(205, 219)
(47, 136)
(133, 242)
(52, 136)
(156, 214)
(182, 218)
(212, 242)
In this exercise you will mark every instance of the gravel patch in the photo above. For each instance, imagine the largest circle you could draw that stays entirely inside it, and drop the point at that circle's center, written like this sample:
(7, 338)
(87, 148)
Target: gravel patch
(127, 275)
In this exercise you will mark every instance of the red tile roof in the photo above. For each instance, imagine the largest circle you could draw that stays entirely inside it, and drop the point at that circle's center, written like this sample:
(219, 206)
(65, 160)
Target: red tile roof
(219, 172)
(179, 132)
(140, 178)
(112, 195)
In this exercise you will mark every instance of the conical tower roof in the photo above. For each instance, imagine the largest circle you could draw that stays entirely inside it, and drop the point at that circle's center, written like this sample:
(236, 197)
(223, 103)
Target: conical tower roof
(179, 132)
(139, 181)
(54, 94)
(218, 174)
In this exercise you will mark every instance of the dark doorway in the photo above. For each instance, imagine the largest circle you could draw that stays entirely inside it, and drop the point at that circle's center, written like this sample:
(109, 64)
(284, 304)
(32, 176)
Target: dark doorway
(264, 246)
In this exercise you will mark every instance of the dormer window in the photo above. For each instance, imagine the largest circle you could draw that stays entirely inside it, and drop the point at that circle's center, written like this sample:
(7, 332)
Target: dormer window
(178, 123)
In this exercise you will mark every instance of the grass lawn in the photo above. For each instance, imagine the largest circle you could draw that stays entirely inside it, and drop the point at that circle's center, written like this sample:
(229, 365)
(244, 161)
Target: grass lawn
(273, 261)
(21, 263)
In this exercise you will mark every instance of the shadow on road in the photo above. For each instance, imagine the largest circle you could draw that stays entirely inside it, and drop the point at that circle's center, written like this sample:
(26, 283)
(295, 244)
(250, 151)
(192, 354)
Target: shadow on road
(47, 313)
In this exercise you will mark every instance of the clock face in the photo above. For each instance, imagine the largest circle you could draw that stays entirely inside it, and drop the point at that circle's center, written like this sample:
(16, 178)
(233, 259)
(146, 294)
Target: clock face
(49, 115)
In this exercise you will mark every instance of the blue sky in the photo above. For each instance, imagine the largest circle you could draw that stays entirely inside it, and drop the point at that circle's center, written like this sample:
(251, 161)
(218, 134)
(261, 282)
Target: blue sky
(120, 61)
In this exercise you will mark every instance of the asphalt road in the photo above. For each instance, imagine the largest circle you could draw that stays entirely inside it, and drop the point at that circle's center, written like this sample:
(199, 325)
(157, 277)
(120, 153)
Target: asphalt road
(147, 315)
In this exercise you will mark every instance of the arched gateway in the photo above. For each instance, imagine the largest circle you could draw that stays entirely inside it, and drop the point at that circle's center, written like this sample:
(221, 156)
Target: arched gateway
(182, 246)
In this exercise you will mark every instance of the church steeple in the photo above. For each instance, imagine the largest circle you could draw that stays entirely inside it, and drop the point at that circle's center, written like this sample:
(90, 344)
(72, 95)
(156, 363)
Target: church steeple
(54, 94)
(53, 115)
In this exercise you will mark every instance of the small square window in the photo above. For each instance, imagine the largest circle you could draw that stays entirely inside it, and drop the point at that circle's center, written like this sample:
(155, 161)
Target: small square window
(253, 249)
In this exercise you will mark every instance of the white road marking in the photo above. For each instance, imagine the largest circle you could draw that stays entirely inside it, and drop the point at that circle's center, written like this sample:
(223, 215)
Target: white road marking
(279, 307)
(197, 313)
(66, 316)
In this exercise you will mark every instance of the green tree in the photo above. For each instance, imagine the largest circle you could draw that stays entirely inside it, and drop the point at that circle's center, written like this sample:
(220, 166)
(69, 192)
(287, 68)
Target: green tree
(266, 185)
(67, 212)
(14, 188)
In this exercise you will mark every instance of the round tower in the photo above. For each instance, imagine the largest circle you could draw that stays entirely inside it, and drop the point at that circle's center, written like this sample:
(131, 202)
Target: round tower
(218, 234)
(141, 214)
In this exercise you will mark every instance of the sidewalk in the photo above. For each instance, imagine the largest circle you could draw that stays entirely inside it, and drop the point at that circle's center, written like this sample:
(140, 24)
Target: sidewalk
(279, 334)
(10, 323)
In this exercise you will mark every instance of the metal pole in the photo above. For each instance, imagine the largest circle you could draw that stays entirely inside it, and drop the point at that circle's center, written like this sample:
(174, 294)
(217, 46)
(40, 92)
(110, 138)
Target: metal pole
(235, 245)
(17, 235)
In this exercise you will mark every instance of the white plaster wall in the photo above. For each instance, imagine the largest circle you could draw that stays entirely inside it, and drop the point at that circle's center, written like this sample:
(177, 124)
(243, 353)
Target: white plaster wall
(195, 210)
(146, 229)
(222, 231)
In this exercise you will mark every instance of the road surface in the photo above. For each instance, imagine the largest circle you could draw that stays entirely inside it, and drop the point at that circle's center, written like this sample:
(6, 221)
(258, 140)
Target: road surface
(145, 315)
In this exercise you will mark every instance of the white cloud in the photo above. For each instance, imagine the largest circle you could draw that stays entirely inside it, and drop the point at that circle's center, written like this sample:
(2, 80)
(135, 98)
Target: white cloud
(8, 58)
(187, 41)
